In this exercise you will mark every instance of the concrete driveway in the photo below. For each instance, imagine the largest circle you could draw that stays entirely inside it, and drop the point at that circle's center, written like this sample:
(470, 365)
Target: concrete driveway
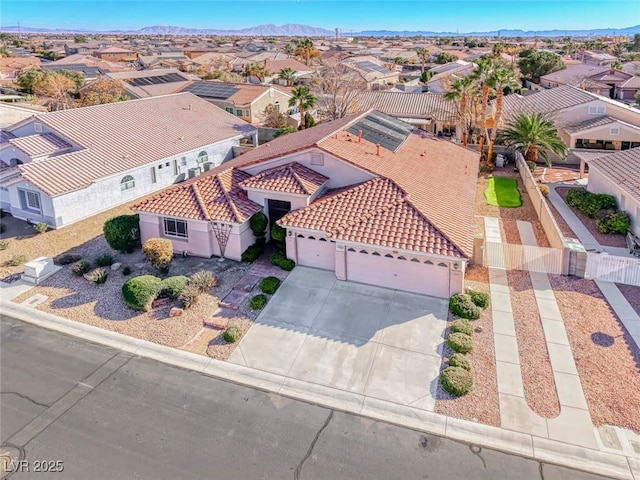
(366, 340)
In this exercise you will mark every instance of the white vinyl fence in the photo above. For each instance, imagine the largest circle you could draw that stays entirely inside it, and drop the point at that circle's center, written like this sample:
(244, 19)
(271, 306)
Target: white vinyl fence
(611, 268)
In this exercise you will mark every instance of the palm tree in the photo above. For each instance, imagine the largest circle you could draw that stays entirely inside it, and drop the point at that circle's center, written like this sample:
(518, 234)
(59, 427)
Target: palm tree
(533, 135)
(288, 49)
(256, 70)
(288, 74)
(460, 91)
(303, 99)
(423, 53)
(306, 50)
(481, 77)
(500, 79)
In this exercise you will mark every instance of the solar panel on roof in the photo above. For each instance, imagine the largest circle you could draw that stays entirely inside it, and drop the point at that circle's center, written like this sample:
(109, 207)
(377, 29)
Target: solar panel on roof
(212, 90)
(382, 129)
(155, 79)
(370, 67)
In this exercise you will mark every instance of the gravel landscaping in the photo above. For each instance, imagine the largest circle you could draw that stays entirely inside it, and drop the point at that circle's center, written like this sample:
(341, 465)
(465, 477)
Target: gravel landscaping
(607, 359)
(537, 375)
(632, 294)
(482, 404)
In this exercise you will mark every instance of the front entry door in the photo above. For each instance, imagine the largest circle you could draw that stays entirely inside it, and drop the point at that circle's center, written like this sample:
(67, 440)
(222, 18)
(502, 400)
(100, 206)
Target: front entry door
(277, 210)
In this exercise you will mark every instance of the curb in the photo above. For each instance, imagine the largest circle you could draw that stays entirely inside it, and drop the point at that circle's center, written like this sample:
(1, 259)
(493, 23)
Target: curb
(541, 449)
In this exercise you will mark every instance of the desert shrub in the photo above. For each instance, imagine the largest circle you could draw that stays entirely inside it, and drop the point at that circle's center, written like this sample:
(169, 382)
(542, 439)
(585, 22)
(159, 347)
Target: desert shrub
(544, 190)
(172, 287)
(270, 285)
(532, 166)
(232, 334)
(252, 253)
(140, 292)
(126, 270)
(590, 203)
(462, 305)
(4, 244)
(609, 221)
(258, 223)
(159, 253)
(104, 260)
(279, 259)
(460, 342)
(486, 167)
(463, 326)
(122, 233)
(189, 295)
(80, 267)
(258, 302)
(17, 260)
(204, 280)
(41, 227)
(97, 275)
(459, 360)
(456, 380)
(481, 299)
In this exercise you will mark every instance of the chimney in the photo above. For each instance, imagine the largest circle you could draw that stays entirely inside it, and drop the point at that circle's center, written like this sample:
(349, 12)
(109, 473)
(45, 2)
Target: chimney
(359, 136)
(377, 149)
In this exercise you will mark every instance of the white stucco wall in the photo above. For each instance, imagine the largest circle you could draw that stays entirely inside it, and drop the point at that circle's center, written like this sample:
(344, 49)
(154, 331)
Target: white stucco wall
(599, 183)
(580, 112)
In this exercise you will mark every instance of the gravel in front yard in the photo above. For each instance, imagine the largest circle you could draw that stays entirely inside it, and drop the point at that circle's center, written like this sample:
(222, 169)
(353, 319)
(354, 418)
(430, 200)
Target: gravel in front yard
(607, 359)
(632, 294)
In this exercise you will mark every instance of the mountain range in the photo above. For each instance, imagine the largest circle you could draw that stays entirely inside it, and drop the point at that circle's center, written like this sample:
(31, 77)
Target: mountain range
(298, 30)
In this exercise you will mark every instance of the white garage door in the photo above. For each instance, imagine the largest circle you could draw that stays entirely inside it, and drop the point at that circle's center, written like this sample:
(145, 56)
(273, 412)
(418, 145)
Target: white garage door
(316, 252)
(401, 273)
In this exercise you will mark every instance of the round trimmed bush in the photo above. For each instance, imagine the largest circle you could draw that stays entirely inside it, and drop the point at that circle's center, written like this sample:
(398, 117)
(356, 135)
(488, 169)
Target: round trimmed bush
(258, 302)
(456, 380)
(172, 287)
(462, 305)
(463, 326)
(232, 334)
(122, 233)
(140, 292)
(459, 360)
(460, 342)
(270, 285)
(278, 233)
(481, 299)
(258, 223)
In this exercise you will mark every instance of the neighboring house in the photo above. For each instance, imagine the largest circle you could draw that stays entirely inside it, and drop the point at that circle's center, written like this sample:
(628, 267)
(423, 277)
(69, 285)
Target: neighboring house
(619, 175)
(87, 48)
(443, 75)
(151, 83)
(599, 58)
(60, 167)
(12, 67)
(632, 67)
(244, 100)
(89, 72)
(604, 81)
(89, 61)
(367, 197)
(276, 66)
(116, 54)
(375, 75)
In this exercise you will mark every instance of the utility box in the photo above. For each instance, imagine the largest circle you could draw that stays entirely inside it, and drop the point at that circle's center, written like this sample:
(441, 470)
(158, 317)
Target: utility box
(38, 270)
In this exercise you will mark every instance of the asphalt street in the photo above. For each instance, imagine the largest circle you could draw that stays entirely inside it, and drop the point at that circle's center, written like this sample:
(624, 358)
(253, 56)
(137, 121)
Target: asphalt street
(71, 409)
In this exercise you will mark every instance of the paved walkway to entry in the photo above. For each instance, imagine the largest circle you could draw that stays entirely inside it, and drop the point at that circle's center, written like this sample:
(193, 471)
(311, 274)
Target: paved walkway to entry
(358, 339)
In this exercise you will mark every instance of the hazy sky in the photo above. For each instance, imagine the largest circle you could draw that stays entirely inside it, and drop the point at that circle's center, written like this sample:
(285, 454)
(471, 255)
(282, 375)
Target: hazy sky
(431, 15)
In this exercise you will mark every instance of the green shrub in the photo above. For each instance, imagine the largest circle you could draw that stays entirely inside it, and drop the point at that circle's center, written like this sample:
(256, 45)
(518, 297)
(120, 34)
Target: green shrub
(4, 244)
(252, 253)
(204, 280)
(17, 260)
(459, 360)
(456, 380)
(189, 295)
(159, 253)
(104, 260)
(97, 275)
(460, 342)
(122, 233)
(613, 222)
(481, 299)
(278, 234)
(463, 326)
(283, 131)
(258, 223)
(140, 292)
(258, 302)
(80, 267)
(279, 259)
(41, 227)
(462, 305)
(532, 166)
(126, 270)
(172, 287)
(270, 285)
(590, 203)
(232, 334)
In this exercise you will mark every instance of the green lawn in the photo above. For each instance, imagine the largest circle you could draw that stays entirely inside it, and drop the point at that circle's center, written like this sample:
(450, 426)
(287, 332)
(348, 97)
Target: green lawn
(503, 192)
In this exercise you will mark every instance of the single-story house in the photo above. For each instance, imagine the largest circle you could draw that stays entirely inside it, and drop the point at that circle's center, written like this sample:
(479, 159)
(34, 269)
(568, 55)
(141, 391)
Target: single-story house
(60, 167)
(151, 83)
(368, 197)
(618, 174)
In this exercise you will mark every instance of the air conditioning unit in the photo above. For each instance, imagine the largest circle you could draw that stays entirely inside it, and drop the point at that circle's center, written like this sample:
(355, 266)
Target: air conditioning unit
(193, 172)
(207, 166)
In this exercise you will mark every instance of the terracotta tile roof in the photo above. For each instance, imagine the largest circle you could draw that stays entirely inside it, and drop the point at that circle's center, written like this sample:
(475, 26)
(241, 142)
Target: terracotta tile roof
(118, 137)
(622, 168)
(115, 50)
(376, 212)
(208, 197)
(274, 66)
(40, 144)
(289, 178)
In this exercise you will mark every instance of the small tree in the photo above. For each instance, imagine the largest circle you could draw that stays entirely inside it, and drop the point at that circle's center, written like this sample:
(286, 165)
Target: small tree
(122, 233)
(309, 121)
(80, 39)
(159, 253)
(273, 118)
(103, 90)
(258, 223)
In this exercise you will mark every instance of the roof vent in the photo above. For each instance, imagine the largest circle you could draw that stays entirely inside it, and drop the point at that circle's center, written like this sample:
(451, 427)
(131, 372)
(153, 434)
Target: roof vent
(377, 149)
(180, 138)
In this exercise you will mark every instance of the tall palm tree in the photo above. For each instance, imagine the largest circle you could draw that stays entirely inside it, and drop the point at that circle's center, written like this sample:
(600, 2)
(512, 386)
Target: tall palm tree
(256, 70)
(460, 92)
(288, 74)
(500, 79)
(481, 77)
(423, 53)
(303, 99)
(288, 49)
(533, 135)
(306, 50)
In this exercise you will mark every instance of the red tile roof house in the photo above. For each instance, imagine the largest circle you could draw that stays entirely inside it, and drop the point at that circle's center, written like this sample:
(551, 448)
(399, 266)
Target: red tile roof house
(366, 196)
(60, 167)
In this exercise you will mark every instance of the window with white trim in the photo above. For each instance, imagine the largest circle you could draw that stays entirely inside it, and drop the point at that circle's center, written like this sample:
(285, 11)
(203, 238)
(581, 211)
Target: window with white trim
(596, 110)
(30, 200)
(175, 228)
(37, 126)
(238, 112)
(614, 130)
(317, 159)
(127, 183)
(203, 157)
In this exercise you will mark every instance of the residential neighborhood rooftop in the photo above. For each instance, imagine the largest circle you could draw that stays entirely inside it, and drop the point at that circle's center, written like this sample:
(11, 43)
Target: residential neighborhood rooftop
(622, 168)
